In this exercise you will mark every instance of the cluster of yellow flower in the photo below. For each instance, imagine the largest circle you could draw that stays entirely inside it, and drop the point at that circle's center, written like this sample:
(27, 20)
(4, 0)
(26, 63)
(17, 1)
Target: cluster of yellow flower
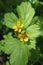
(22, 35)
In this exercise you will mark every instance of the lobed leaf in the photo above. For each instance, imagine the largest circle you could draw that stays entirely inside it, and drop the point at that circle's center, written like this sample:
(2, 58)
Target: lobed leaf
(17, 49)
(34, 31)
(10, 19)
(25, 13)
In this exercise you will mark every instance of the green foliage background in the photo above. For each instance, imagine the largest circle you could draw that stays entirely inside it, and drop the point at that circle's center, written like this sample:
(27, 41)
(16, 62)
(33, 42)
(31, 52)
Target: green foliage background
(20, 52)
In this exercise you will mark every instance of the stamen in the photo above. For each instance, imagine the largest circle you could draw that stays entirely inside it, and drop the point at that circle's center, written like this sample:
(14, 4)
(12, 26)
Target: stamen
(26, 39)
(21, 39)
(22, 35)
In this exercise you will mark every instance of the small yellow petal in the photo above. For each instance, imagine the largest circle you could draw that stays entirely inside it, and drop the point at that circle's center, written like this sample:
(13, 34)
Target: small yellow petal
(22, 32)
(19, 30)
(26, 39)
(16, 30)
(21, 39)
(19, 35)
(22, 25)
(15, 27)
(27, 34)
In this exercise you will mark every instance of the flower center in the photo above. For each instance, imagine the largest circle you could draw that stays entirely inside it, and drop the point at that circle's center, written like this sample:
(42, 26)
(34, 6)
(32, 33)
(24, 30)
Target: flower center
(21, 34)
(18, 27)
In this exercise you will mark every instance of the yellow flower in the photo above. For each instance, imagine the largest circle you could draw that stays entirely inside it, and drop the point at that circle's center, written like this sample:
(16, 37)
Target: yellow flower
(18, 27)
(23, 36)
(25, 39)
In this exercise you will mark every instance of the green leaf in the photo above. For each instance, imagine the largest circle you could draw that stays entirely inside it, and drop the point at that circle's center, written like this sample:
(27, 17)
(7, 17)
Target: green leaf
(35, 55)
(7, 63)
(32, 44)
(34, 31)
(34, 1)
(25, 13)
(35, 20)
(17, 49)
(9, 43)
(10, 19)
(21, 53)
(41, 22)
(42, 32)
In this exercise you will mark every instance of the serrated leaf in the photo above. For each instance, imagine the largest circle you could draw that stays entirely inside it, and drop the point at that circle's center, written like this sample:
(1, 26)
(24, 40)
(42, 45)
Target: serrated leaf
(34, 31)
(35, 20)
(17, 49)
(10, 19)
(9, 43)
(41, 21)
(32, 44)
(42, 32)
(25, 13)
(21, 53)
